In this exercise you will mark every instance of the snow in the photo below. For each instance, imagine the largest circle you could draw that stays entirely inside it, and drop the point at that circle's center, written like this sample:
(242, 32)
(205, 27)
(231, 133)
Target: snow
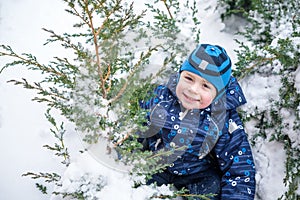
(23, 126)
(267, 89)
(24, 129)
(271, 153)
(114, 185)
(297, 80)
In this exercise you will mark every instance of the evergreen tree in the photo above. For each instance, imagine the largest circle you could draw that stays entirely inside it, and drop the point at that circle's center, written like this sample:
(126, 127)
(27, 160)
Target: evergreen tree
(118, 55)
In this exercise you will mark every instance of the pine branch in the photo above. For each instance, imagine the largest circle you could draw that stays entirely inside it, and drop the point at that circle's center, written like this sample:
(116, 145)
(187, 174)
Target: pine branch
(27, 60)
(58, 132)
(168, 8)
(252, 67)
(133, 71)
(49, 177)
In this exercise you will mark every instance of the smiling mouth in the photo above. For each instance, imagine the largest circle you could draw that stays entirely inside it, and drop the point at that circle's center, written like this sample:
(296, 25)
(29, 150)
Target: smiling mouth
(190, 98)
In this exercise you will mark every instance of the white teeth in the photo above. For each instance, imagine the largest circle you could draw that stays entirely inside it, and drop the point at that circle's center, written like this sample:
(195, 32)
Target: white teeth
(191, 98)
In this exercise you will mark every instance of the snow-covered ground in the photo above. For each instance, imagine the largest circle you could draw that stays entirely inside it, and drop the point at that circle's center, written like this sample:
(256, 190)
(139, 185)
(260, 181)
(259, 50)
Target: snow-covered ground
(23, 126)
(24, 129)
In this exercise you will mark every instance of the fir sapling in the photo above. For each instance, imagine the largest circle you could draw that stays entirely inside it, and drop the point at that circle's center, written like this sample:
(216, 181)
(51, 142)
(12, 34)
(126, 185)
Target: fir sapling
(98, 88)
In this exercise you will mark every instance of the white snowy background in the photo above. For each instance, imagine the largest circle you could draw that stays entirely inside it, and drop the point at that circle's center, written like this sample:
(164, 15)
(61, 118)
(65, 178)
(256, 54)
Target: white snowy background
(24, 129)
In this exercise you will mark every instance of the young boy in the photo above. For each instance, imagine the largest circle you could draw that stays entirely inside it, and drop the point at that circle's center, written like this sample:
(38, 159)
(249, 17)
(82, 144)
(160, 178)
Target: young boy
(195, 117)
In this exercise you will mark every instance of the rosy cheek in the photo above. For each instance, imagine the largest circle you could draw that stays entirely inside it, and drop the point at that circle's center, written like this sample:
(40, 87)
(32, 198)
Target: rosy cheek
(206, 101)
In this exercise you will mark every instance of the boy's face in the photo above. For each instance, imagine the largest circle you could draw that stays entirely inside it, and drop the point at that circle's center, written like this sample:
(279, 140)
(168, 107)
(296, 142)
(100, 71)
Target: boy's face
(194, 92)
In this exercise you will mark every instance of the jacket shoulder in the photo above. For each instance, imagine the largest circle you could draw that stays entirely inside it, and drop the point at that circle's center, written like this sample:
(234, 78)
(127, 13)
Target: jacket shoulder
(233, 98)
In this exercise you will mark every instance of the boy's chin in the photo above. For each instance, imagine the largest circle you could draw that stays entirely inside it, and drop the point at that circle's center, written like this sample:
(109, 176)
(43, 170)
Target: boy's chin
(189, 106)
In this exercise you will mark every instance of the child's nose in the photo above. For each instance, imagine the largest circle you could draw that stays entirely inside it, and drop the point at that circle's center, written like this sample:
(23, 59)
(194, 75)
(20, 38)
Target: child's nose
(195, 88)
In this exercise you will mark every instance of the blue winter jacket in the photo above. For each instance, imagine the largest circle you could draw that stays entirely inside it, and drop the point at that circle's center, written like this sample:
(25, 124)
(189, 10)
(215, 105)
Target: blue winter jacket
(203, 139)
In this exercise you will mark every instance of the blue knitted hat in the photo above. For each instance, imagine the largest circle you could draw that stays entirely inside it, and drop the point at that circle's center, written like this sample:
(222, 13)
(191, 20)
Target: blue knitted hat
(212, 63)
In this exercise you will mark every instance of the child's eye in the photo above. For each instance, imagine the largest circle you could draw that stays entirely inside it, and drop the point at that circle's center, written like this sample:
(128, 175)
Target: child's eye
(188, 78)
(206, 85)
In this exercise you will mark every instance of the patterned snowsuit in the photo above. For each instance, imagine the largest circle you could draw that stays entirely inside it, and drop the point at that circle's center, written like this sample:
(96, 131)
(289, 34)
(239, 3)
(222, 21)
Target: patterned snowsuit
(209, 142)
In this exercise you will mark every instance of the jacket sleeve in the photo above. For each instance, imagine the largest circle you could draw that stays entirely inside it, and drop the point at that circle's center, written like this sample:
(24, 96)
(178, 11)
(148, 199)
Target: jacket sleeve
(236, 163)
(149, 140)
(155, 97)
